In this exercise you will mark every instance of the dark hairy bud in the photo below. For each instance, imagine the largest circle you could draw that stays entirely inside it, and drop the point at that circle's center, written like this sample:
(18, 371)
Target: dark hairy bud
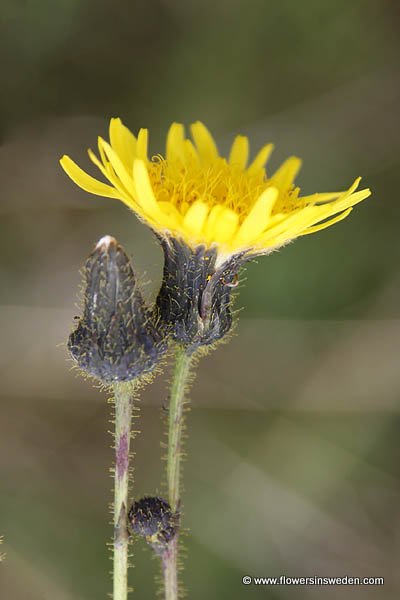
(115, 339)
(151, 517)
(194, 302)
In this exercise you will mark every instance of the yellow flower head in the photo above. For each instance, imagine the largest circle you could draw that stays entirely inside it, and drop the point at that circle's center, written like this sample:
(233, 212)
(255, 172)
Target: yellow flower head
(193, 194)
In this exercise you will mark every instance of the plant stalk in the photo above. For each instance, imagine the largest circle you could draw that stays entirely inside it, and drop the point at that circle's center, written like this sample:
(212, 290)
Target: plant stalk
(123, 394)
(175, 428)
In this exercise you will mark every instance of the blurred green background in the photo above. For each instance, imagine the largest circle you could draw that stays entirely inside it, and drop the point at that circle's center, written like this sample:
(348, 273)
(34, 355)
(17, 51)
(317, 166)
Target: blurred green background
(294, 433)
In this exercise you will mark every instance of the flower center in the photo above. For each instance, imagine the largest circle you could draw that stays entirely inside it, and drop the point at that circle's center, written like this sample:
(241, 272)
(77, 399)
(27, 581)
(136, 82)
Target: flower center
(217, 184)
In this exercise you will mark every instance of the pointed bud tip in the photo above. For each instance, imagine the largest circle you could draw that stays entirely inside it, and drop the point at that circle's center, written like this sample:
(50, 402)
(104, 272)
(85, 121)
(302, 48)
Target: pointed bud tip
(105, 242)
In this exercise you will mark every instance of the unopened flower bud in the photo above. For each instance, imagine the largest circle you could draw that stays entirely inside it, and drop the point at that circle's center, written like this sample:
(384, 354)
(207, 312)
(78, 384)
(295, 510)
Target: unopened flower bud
(194, 302)
(151, 517)
(115, 339)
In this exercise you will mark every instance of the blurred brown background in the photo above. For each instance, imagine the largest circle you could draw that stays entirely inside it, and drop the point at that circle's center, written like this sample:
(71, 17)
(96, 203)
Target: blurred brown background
(293, 455)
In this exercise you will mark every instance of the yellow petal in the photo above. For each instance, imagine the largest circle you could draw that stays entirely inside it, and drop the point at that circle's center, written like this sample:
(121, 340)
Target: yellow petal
(123, 142)
(257, 219)
(283, 178)
(239, 152)
(290, 228)
(300, 218)
(326, 224)
(109, 174)
(144, 191)
(343, 204)
(260, 160)
(190, 152)
(354, 185)
(204, 141)
(85, 181)
(209, 229)
(344, 196)
(173, 214)
(195, 217)
(347, 200)
(307, 219)
(98, 163)
(175, 142)
(225, 226)
(318, 198)
(142, 143)
(103, 156)
(118, 166)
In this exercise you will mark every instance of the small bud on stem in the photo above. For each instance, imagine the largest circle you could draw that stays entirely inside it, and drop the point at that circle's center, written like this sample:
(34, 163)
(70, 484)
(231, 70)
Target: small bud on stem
(151, 517)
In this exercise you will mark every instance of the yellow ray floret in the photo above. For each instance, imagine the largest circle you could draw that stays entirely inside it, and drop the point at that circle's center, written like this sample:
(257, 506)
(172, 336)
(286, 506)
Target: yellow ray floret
(196, 195)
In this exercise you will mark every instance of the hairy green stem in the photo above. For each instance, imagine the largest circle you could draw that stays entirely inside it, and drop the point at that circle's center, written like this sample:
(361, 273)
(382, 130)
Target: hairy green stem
(123, 394)
(175, 428)
(170, 570)
(179, 385)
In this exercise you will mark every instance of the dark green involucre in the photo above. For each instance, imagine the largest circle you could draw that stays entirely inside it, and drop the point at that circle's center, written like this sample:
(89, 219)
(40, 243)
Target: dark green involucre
(151, 517)
(194, 302)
